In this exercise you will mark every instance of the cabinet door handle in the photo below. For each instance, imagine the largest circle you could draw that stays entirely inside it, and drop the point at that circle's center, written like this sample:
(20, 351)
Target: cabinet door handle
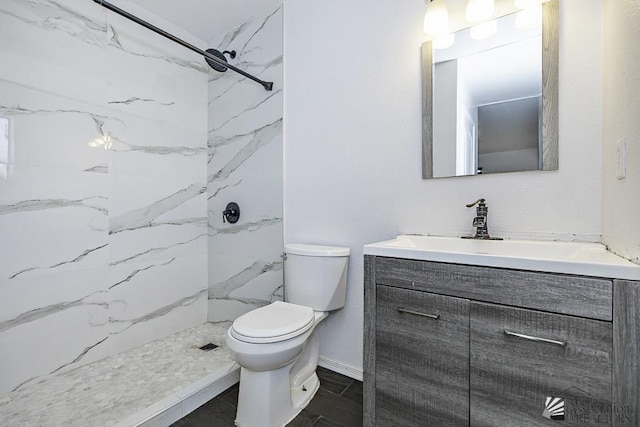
(417, 313)
(538, 339)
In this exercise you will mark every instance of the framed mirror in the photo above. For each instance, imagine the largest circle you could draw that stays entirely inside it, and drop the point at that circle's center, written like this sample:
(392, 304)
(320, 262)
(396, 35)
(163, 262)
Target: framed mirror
(490, 104)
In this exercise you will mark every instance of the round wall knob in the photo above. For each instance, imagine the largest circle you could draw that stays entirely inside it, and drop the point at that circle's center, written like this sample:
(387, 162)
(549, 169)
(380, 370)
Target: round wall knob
(231, 214)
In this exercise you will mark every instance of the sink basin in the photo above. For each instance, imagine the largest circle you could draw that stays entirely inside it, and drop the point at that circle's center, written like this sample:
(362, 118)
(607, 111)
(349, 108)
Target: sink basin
(589, 259)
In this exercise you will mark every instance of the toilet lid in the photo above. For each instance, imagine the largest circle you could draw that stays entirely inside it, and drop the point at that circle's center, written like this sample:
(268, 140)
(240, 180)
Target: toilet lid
(275, 322)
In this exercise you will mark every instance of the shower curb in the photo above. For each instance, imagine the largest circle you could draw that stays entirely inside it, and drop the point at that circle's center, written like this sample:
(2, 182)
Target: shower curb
(181, 403)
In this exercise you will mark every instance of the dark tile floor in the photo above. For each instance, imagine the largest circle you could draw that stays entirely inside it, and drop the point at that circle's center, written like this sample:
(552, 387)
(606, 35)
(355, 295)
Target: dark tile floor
(337, 403)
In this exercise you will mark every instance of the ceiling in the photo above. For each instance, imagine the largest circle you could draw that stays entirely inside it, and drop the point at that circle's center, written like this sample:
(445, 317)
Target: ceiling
(207, 19)
(506, 73)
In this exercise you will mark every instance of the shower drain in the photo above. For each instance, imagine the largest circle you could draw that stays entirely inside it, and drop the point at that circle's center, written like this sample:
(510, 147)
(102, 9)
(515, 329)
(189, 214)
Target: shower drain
(208, 347)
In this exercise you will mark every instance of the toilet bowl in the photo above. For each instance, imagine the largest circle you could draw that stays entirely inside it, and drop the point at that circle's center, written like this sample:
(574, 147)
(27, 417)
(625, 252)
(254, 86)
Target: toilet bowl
(277, 345)
(277, 376)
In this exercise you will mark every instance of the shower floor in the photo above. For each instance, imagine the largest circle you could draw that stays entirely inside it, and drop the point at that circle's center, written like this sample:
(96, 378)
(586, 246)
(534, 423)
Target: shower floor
(156, 383)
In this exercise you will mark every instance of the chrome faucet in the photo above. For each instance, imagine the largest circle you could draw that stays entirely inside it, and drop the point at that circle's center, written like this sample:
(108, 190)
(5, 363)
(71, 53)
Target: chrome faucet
(480, 221)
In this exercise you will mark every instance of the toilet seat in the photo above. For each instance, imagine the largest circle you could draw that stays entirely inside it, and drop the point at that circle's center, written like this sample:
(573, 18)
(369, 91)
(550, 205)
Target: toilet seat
(275, 322)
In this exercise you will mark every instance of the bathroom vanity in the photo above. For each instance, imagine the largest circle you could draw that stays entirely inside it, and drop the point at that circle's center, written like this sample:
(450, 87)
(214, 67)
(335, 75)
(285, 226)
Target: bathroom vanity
(485, 333)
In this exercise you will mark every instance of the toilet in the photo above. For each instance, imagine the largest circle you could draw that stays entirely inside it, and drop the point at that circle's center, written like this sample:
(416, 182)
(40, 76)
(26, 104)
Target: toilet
(277, 345)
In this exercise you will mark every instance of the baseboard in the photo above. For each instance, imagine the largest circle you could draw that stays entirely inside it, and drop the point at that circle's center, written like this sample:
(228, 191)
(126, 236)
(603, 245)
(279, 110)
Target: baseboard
(341, 368)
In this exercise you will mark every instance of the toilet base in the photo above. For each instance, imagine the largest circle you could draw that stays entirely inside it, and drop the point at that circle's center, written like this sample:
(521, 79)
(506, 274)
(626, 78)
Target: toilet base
(271, 401)
(301, 396)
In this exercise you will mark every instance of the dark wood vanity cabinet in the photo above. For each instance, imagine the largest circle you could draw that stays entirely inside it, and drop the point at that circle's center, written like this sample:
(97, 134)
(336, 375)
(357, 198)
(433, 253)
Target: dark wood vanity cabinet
(520, 357)
(422, 367)
(448, 345)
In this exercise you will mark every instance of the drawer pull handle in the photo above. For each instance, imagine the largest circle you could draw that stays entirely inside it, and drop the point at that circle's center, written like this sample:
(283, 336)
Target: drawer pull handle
(430, 316)
(538, 339)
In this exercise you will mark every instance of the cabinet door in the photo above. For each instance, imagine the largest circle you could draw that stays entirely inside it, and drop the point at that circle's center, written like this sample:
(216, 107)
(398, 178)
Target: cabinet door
(422, 359)
(521, 360)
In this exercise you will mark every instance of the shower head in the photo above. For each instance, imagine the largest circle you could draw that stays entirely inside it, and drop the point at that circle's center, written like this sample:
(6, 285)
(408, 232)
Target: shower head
(220, 67)
(216, 66)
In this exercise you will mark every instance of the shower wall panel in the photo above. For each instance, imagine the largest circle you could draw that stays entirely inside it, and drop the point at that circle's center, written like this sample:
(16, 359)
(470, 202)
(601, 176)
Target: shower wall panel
(245, 166)
(103, 187)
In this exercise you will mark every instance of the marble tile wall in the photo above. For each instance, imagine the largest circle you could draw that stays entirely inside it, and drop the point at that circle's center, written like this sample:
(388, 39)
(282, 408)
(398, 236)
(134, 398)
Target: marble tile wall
(103, 187)
(245, 166)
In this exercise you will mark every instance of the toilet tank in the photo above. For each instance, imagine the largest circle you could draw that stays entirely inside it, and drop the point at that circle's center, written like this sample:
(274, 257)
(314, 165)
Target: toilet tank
(315, 276)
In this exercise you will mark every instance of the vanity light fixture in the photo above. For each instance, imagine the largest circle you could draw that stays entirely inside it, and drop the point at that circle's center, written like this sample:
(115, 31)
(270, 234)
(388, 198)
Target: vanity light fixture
(480, 10)
(445, 41)
(436, 18)
(484, 30)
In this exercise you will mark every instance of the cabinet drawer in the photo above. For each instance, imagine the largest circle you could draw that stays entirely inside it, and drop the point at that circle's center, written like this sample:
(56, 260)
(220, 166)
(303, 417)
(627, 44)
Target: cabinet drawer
(422, 359)
(575, 295)
(551, 356)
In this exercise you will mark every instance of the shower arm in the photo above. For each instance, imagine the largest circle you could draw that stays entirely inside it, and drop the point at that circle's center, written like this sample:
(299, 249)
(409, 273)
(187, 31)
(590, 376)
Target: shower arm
(267, 85)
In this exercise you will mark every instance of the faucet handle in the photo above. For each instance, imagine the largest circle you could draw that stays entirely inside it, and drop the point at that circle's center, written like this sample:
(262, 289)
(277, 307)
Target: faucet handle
(481, 201)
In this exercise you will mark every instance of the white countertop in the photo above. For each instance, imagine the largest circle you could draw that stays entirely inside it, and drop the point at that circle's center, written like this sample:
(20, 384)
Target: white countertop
(587, 259)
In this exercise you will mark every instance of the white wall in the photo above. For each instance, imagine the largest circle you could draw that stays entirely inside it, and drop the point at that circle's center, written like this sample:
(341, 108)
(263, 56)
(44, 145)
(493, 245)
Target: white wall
(445, 117)
(621, 102)
(353, 141)
(467, 134)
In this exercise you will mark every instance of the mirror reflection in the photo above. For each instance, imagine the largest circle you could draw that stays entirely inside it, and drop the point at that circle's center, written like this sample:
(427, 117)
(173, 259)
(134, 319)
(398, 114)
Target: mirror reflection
(487, 112)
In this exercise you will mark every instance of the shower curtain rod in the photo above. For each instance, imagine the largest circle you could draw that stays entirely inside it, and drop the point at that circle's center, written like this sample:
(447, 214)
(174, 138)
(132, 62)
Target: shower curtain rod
(267, 85)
